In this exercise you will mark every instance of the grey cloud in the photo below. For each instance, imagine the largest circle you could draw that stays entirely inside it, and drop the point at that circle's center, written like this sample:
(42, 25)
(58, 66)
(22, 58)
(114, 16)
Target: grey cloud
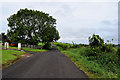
(63, 10)
(108, 22)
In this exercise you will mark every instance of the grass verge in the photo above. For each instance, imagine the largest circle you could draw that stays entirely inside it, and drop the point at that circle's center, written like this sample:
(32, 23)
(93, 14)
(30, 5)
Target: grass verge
(34, 50)
(90, 67)
(28, 49)
(10, 56)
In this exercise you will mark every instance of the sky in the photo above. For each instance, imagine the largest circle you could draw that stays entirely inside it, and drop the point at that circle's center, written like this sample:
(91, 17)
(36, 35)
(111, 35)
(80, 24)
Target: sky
(76, 19)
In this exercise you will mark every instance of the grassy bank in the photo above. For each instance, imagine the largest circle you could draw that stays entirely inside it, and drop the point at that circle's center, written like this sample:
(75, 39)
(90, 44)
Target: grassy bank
(10, 56)
(91, 67)
(104, 65)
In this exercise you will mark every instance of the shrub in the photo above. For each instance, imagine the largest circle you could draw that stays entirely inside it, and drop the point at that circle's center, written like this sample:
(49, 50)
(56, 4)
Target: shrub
(98, 50)
(118, 52)
(107, 59)
(48, 46)
(107, 48)
(74, 45)
(95, 40)
(41, 44)
(64, 46)
(92, 51)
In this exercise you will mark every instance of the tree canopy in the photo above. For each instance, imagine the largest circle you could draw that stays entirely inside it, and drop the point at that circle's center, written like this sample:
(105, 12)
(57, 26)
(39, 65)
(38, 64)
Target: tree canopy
(32, 26)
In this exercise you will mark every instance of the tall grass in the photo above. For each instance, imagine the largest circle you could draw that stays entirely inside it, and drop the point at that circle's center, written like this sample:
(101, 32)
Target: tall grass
(92, 67)
(95, 63)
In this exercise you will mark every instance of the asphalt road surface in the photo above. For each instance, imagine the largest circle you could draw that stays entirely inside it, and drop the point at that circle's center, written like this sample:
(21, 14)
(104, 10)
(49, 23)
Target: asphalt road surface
(50, 64)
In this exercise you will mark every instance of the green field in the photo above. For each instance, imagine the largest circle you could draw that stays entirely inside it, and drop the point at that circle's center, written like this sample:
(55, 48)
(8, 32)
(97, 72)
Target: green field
(104, 65)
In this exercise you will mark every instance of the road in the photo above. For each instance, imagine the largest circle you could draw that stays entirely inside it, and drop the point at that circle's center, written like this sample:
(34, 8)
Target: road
(50, 64)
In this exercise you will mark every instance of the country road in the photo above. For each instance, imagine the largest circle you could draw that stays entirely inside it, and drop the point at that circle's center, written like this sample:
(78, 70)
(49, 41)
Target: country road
(50, 64)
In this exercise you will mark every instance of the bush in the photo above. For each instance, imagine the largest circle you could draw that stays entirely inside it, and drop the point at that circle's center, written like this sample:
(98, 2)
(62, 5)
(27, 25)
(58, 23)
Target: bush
(95, 40)
(107, 59)
(92, 51)
(118, 52)
(107, 48)
(98, 50)
(74, 45)
(48, 46)
(64, 46)
(41, 44)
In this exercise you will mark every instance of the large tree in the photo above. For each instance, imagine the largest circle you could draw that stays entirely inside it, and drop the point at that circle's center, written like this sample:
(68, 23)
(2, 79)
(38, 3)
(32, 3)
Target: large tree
(32, 26)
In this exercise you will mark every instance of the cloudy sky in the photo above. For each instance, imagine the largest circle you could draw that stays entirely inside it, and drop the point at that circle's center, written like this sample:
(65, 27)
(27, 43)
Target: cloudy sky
(76, 19)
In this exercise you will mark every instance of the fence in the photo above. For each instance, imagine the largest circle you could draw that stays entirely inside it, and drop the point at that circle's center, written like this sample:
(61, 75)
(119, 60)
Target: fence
(31, 46)
(6, 46)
